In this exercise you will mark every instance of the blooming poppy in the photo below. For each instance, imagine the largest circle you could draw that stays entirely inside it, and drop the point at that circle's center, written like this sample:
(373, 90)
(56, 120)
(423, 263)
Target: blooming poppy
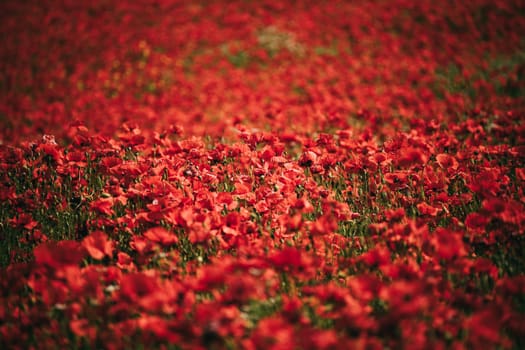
(161, 235)
(59, 254)
(98, 245)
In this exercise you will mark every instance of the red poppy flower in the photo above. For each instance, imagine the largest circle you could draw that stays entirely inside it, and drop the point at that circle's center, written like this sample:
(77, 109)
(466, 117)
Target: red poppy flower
(287, 258)
(82, 328)
(59, 254)
(161, 235)
(520, 173)
(449, 244)
(426, 209)
(198, 233)
(160, 327)
(142, 245)
(476, 221)
(125, 262)
(494, 206)
(323, 225)
(447, 161)
(98, 245)
(488, 183)
(411, 156)
(484, 328)
(274, 333)
(307, 159)
(211, 276)
(377, 256)
(103, 206)
(136, 286)
(395, 214)
(396, 180)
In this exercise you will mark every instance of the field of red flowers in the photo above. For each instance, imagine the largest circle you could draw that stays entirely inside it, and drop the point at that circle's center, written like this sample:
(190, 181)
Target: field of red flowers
(262, 174)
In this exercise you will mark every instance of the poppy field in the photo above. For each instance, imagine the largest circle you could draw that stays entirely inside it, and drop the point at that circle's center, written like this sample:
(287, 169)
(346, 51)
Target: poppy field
(262, 174)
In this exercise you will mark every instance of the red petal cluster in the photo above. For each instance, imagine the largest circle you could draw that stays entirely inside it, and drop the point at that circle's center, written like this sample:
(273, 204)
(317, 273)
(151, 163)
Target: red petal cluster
(262, 174)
